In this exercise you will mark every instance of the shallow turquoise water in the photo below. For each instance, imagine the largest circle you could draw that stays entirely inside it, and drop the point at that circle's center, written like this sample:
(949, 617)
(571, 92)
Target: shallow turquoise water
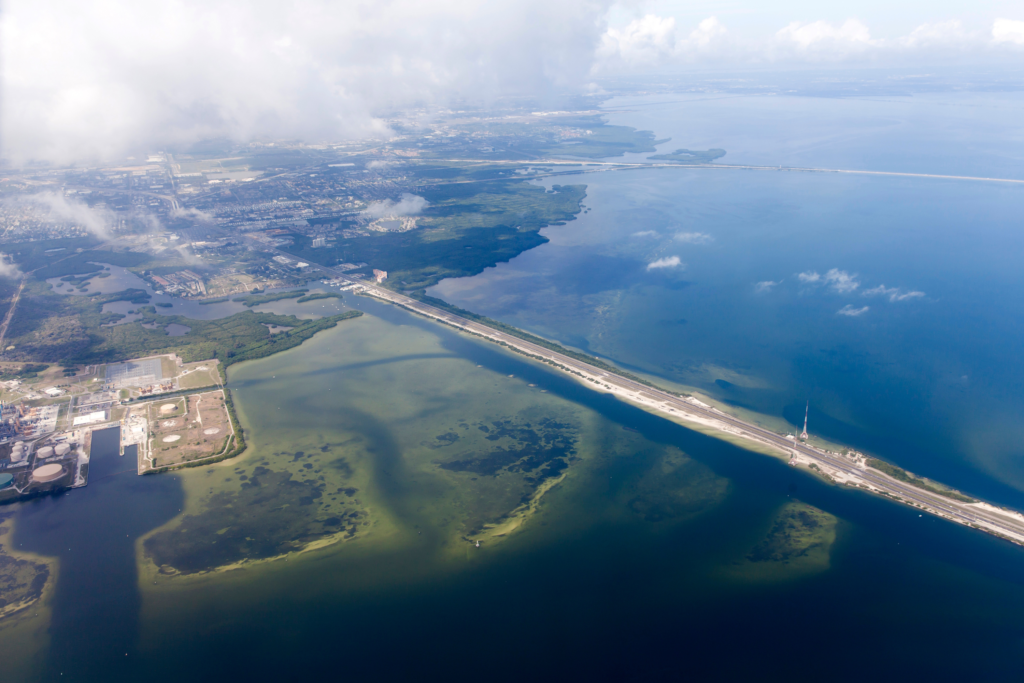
(618, 598)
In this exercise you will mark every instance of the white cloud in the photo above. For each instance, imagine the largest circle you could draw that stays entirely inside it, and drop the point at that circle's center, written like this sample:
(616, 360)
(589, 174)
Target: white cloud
(941, 34)
(645, 233)
(809, 277)
(102, 80)
(88, 81)
(8, 269)
(893, 293)
(881, 290)
(656, 41)
(407, 205)
(61, 209)
(193, 213)
(693, 237)
(666, 262)
(822, 37)
(841, 281)
(851, 311)
(644, 41)
(766, 286)
(1008, 31)
(652, 40)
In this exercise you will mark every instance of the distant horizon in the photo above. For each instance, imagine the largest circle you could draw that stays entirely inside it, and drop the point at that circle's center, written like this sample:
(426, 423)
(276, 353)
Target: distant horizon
(86, 82)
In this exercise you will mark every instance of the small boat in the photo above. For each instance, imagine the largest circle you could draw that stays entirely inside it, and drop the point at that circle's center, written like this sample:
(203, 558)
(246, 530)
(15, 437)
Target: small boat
(478, 544)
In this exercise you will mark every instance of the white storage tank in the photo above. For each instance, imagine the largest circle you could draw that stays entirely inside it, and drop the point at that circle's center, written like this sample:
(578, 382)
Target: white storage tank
(62, 449)
(45, 452)
(47, 473)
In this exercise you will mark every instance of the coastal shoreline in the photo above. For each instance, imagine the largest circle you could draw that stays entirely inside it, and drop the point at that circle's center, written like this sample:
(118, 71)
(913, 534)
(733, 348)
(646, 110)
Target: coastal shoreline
(850, 469)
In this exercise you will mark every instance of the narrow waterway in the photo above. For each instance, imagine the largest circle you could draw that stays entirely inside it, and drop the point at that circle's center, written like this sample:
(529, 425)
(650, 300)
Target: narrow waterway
(92, 531)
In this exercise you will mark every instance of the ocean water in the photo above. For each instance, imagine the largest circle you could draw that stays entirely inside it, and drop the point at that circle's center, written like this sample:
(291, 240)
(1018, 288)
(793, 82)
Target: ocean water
(946, 133)
(594, 587)
(892, 304)
(648, 560)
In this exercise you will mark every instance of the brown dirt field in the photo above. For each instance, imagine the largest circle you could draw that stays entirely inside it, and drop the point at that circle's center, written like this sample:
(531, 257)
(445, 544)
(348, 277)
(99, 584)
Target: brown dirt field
(199, 378)
(205, 413)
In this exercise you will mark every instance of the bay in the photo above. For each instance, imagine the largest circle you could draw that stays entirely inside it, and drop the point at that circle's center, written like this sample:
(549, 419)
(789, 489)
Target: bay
(892, 304)
(657, 552)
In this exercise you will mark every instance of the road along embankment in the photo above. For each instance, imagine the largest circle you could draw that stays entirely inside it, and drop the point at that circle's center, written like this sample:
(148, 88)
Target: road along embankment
(850, 469)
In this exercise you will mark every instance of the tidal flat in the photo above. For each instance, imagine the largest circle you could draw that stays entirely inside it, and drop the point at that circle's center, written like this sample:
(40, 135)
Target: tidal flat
(26, 584)
(377, 451)
(375, 432)
(798, 543)
(382, 451)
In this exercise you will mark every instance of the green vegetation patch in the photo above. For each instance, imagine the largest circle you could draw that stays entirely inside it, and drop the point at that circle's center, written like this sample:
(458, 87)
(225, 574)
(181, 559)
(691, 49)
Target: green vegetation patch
(524, 451)
(320, 295)
(674, 487)
(219, 300)
(86, 261)
(467, 228)
(604, 140)
(48, 327)
(271, 513)
(799, 533)
(32, 255)
(51, 328)
(26, 371)
(256, 299)
(689, 156)
(242, 336)
(901, 474)
(21, 581)
(578, 135)
(76, 281)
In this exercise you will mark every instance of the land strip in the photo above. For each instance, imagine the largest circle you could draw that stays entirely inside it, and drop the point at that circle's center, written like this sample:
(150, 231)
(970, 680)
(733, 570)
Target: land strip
(851, 469)
(598, 166)
(10, 311)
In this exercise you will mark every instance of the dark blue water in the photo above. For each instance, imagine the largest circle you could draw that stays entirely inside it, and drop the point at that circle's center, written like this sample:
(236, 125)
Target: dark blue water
(929, 381)
(910, 350)
(620, 600)
(92, 532)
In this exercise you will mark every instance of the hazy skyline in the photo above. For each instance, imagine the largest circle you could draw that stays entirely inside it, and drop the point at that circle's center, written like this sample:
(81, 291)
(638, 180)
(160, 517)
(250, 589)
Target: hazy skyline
(98, 80)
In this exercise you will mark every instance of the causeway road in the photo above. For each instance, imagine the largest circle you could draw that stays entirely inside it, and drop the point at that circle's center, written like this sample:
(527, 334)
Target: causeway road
(1003, 523)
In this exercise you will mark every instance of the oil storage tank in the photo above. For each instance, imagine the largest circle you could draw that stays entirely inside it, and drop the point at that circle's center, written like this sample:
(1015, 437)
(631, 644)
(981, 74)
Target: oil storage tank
(47, 473)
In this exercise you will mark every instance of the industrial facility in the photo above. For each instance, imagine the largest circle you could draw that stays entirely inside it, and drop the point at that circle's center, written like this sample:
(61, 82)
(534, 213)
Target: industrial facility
(46, 464)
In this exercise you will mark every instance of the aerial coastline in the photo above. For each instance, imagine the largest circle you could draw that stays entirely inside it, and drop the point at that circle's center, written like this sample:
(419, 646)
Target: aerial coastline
(850, 468)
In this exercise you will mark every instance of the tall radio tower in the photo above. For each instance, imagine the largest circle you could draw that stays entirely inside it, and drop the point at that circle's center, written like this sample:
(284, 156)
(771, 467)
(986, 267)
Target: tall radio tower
(803, 435)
